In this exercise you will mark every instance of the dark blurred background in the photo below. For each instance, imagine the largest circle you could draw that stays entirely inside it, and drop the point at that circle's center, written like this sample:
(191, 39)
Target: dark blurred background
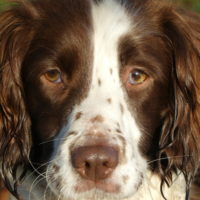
(190, 4)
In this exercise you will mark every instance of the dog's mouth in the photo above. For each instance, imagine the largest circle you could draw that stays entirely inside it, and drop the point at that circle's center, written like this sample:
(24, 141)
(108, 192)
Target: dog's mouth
(88, 185)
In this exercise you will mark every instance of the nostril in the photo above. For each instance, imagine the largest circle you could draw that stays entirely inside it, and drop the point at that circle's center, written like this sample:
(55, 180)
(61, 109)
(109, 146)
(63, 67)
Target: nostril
(94, 162)
(105, 164)
(87, 165)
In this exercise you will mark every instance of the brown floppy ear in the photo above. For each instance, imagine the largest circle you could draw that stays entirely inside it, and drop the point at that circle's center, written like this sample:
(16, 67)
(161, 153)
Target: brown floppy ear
(180, 139)
(15, 137)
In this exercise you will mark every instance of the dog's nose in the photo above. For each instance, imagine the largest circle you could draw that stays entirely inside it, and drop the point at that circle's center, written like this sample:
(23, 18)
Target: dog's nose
(94, 162)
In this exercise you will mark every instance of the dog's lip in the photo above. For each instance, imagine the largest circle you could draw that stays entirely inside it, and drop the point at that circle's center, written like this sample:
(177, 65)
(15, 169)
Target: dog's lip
(101, 185)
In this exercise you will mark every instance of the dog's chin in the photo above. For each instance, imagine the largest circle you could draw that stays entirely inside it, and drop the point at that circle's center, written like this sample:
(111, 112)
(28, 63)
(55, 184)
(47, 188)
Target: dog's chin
(100, 185)
(93, 194)
(101, 190)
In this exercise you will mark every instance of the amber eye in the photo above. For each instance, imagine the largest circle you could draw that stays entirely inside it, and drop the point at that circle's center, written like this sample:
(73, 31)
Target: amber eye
(53, 76)
(137, 77)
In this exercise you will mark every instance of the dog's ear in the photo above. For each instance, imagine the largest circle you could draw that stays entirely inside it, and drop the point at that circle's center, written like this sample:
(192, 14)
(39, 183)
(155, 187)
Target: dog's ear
(16, 32)
(180, 138)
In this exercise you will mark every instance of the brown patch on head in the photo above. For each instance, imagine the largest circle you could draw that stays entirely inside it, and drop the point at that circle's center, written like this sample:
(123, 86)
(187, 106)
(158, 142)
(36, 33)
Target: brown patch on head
(97, 118)
(109, 100)
(59, 46)
(78, 115)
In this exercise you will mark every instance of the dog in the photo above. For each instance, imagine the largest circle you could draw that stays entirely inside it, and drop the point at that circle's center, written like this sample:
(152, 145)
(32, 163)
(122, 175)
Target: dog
(99, 99)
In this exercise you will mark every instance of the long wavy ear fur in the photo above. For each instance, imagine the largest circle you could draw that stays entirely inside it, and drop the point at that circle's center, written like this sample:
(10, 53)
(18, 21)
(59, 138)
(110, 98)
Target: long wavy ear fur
(15, 138)
(180, 137)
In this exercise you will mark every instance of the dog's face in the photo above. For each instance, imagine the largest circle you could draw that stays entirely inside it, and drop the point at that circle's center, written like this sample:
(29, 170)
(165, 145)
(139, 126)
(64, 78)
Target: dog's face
(96, 89)
(97, 83)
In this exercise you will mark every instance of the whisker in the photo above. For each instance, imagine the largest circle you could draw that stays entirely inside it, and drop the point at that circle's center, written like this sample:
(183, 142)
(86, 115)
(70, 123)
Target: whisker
(148, 184)
(35, 169)
(59, 197)
(165, 158)
(42, 165)
(34, 184)
(55, 139)
(45, 192)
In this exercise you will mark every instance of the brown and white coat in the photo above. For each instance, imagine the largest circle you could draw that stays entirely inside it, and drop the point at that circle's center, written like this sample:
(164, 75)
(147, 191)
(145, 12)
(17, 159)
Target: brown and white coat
(100, 99)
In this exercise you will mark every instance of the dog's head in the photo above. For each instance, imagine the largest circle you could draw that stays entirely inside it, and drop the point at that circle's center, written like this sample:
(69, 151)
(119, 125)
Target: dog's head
(104, 89)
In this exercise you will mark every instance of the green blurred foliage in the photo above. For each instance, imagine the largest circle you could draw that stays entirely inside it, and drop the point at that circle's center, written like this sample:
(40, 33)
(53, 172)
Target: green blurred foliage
(3, 4)
(190, 4)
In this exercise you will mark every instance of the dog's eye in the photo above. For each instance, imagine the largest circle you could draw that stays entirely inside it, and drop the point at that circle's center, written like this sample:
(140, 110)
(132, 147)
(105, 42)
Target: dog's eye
(137, 77)
(53, 76)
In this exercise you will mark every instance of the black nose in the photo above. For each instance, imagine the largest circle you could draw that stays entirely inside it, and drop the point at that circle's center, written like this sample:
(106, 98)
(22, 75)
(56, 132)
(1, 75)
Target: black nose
(94, 162)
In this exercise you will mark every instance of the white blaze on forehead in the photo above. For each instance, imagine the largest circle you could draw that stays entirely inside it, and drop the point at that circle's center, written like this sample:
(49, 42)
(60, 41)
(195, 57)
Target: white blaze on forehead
(110, 23)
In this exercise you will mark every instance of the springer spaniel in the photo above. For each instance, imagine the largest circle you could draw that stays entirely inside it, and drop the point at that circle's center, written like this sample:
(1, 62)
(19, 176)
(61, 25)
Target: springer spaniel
(99, 100)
